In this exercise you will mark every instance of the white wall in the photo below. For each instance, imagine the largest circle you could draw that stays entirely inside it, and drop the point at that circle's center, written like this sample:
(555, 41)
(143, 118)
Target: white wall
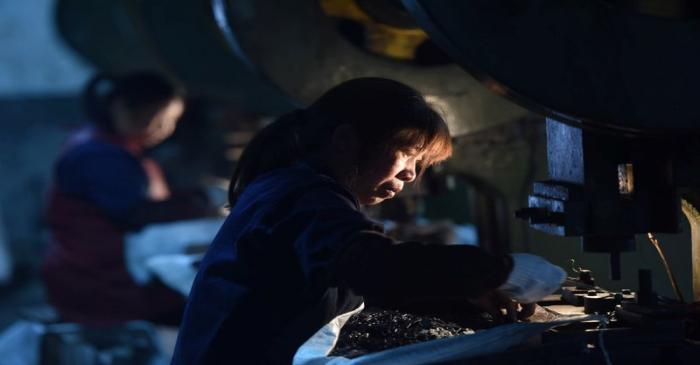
(6, 260)
(34, 61)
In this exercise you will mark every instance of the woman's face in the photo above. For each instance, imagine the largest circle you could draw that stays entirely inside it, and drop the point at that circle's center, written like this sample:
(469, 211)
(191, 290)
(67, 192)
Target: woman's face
(385, 176)
(163, 123)
(149, 126)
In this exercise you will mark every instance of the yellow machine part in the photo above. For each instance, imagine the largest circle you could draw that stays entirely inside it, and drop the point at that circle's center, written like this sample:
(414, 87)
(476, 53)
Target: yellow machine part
(382, 39)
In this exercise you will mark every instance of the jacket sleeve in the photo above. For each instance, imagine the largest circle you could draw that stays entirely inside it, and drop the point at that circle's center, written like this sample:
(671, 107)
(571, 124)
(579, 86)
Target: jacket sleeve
(350, 251)
(376, 265)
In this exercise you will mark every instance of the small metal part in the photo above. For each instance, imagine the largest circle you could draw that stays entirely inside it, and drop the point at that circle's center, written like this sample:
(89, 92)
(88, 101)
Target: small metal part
(689, 207)
(599, 302)
(586, 277)
(575, 269)
(625, 179)
(667, 266)
(540, 216)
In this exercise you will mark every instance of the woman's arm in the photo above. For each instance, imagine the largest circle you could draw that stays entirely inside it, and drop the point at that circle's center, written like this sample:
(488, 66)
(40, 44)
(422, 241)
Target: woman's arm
(347, 248)
(374, 264)
(115, 181)
(181, 205)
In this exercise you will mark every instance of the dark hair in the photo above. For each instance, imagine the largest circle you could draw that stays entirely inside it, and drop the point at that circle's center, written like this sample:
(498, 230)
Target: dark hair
(137, 90)
(385, 113)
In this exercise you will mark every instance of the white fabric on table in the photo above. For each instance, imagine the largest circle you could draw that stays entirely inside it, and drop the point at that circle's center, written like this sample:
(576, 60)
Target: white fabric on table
(175, 271)
(165, 239)
(498, 339)
(21, 343)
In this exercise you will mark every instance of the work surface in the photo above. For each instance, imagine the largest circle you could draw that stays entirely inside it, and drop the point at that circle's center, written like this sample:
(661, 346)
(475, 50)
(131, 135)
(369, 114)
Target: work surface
(587, 343)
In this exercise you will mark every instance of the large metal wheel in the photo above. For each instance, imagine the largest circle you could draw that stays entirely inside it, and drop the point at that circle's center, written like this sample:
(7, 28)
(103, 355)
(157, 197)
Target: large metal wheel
(627, 66)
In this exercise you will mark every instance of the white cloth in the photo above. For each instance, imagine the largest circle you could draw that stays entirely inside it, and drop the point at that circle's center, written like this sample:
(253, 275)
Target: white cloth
(176, 271)
(532, 278)
(315, 350)
(165, 239)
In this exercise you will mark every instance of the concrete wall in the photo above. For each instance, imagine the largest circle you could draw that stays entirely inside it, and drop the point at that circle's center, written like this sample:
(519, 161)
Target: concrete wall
(39, 80)
(31, 134)
(33, 60)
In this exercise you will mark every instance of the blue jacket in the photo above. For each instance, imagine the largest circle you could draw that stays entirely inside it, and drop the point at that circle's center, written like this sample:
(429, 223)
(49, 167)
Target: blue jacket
(295, 252)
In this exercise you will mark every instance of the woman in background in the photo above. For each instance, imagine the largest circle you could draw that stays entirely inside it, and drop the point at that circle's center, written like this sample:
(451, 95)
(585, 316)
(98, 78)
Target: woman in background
(104, 186)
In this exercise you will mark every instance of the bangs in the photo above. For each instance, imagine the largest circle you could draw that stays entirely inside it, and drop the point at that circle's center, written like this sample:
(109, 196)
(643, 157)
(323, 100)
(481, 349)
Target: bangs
(424, 130)
(429, 128)
(435, 144)
(388, 116)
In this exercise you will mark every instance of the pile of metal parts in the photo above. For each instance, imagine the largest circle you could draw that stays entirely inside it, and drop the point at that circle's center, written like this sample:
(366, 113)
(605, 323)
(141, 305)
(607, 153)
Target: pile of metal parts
(380, 329)
(377, 329)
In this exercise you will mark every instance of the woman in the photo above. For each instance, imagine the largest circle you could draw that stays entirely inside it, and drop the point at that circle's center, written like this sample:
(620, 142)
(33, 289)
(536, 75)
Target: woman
(104, 186)
(296, 251)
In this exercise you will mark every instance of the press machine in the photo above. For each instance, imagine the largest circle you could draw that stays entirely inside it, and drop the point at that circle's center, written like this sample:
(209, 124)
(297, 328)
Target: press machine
(616, 81)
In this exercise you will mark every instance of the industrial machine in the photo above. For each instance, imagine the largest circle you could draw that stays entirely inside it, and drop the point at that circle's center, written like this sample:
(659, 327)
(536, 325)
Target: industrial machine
(615, 79)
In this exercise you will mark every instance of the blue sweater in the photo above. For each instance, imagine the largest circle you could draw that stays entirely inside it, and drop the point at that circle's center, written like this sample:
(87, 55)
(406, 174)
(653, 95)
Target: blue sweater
(100, 191)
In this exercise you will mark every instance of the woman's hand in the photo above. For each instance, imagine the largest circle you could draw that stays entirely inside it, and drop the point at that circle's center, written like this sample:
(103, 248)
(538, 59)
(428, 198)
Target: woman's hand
(502, 308)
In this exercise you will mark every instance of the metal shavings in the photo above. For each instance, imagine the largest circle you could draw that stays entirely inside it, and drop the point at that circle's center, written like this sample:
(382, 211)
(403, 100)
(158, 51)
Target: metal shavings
(376, 330)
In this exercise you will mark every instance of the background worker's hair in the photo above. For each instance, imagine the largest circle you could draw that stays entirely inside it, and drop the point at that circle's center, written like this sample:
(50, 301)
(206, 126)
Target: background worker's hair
(136, 90)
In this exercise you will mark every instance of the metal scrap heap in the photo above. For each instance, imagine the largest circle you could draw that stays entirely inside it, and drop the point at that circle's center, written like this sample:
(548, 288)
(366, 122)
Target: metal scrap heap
(380, 329)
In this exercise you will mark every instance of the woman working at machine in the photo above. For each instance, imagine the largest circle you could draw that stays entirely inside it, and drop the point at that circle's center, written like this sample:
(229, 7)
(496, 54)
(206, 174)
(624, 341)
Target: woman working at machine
(296, 251)
(104, 186)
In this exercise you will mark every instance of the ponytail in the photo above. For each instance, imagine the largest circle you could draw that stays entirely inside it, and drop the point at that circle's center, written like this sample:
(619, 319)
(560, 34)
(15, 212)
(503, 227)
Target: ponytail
(96, 100)
(275, 146)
